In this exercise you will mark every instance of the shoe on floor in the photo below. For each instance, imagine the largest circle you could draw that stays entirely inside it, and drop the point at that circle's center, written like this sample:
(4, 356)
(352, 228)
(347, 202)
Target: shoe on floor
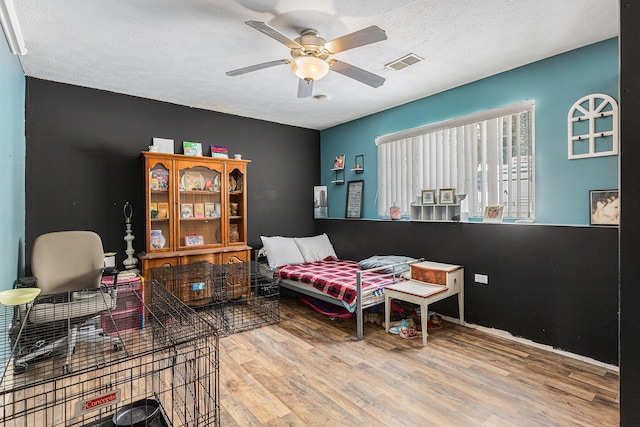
(410, 333)
(391, 324)
(405, 323)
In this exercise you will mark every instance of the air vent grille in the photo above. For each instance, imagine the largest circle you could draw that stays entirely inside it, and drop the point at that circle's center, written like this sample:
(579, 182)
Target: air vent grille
(404, 62)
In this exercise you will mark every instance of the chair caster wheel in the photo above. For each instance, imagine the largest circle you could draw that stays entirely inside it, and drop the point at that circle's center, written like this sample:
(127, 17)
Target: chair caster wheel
(118, 347)
(19, 368)
(67, 370)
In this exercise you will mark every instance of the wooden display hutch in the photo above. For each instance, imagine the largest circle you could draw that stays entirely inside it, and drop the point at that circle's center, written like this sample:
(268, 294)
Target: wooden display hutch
(196, 210)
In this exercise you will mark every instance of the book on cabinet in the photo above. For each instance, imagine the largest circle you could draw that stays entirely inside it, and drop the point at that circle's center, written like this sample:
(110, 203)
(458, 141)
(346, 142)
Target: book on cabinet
(193, 196)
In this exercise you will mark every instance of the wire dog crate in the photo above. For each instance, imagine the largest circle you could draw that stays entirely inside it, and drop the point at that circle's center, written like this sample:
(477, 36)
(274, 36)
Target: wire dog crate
(168, 370)
(235, 297)
(196, 284)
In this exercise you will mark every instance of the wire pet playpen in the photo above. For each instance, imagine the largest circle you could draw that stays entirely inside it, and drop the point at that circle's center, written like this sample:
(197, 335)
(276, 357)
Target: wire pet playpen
(235, 297)
(166, 371)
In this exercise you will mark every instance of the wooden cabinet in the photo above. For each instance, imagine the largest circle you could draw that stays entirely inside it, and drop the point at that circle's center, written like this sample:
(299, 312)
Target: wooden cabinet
(195, 210)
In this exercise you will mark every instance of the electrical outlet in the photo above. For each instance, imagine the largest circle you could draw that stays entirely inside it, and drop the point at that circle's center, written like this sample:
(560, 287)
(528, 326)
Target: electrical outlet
(482, 278)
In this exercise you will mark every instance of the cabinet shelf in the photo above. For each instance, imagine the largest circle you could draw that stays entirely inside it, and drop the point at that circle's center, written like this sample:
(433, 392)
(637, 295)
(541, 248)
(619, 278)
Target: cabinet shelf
(199, 192)
(435, 212)
(207, 218)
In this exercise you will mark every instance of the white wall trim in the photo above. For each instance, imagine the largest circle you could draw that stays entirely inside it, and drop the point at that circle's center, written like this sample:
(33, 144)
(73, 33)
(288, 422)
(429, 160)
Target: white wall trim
(507, 335)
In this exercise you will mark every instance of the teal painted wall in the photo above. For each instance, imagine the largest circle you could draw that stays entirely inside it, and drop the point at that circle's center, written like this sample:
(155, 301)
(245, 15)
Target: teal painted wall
(562, 185)
(12, 167)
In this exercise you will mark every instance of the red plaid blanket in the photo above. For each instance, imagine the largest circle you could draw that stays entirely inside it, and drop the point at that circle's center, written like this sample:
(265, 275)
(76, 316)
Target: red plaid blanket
(334, 277)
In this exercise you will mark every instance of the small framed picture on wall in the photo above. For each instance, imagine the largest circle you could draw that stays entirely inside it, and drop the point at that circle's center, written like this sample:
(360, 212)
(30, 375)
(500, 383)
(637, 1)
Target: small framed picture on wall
(604, 207)
(355, 191)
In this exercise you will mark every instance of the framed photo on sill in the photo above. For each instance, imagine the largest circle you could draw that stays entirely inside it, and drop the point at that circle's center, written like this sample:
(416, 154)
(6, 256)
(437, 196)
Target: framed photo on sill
(604, 207)
(447, 196)
(428, 197)
(355, 192)
(493, 213)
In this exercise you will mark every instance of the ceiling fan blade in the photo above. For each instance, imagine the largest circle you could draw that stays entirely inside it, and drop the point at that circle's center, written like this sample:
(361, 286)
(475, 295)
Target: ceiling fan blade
(274, 34)
(256, 67)
(305, 89)
(356, 73)
(362, 37)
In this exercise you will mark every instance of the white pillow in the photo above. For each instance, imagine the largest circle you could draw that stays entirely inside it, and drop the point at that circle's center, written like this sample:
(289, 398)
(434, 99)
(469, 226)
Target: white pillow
(315, 248)
(281, 251)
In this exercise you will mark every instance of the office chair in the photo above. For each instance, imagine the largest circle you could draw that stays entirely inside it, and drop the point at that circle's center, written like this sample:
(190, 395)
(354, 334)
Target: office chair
(67, 266)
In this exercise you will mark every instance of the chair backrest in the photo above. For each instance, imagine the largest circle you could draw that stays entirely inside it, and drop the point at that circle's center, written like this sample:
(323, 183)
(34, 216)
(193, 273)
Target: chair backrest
(67, 261)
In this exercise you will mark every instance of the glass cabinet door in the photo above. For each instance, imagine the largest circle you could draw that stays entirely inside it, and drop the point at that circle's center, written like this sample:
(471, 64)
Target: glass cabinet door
(199, 206)
(160, 207)
(236, 206)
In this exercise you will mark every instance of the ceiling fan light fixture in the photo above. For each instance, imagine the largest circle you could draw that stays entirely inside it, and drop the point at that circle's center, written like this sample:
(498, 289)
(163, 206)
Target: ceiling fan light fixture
(309, 68)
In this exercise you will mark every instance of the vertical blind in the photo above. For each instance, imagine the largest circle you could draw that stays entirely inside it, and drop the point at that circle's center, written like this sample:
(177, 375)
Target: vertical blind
(487, 156)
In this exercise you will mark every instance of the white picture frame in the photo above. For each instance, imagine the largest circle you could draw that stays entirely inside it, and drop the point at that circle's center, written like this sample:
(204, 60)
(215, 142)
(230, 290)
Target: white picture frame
(493, 213)
(164, 145)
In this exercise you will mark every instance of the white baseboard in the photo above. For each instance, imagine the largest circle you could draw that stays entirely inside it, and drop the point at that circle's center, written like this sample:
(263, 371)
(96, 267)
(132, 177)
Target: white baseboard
(507, 335)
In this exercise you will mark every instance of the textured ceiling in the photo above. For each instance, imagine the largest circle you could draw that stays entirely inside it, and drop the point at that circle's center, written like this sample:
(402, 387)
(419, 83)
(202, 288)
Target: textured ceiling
(179, 51)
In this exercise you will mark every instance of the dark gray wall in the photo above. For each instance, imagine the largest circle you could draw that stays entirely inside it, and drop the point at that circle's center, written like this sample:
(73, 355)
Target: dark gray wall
(82, 165)
(83, 148)
(629, 225)
(554, 285)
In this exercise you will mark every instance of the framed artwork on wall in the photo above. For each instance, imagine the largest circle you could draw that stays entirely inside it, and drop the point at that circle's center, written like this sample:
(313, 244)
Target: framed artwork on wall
(604, 207)
(320, 202)
(355, 191)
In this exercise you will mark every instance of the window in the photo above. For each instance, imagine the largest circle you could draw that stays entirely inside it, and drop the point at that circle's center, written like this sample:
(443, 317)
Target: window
(487, 156)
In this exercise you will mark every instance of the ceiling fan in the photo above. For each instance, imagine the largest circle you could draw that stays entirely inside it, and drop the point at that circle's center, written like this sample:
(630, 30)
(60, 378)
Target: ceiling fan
(312, 56)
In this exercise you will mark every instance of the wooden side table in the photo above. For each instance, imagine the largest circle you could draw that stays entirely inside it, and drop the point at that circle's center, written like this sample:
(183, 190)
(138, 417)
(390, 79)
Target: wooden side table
(423, 293)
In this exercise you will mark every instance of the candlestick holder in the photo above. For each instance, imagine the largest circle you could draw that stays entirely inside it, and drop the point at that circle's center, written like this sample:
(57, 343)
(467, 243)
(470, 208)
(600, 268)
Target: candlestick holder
(131, 262)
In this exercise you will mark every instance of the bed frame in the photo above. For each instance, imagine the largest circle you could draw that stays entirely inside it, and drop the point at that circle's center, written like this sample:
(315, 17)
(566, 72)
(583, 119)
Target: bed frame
(362, 303)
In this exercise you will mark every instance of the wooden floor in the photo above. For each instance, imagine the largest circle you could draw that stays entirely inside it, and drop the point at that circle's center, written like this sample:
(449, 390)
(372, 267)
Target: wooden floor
(310, 371)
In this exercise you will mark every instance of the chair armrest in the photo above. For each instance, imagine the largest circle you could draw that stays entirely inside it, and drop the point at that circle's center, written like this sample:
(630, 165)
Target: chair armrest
(27, 282)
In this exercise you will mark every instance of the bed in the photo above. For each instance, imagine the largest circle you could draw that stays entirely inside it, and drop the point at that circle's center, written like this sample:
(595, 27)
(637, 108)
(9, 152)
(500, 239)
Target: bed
(310, 266)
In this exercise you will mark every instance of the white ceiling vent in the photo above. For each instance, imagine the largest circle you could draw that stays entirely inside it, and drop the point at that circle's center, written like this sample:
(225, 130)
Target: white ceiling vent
(404, 62)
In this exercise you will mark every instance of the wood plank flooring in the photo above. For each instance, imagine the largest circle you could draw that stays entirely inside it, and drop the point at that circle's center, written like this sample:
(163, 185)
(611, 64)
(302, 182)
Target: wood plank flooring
(310, 371)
